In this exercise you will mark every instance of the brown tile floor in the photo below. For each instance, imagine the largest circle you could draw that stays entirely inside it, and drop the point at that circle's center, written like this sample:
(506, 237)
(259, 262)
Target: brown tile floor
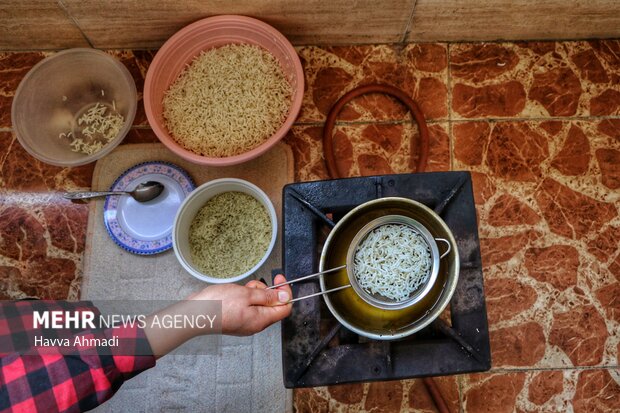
(538, 124)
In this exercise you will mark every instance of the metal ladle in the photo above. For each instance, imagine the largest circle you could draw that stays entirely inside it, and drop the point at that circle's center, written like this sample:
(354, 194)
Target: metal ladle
(144, 192)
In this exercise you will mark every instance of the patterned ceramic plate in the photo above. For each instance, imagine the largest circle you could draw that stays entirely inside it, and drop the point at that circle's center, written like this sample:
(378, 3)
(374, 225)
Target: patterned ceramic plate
(146, 228)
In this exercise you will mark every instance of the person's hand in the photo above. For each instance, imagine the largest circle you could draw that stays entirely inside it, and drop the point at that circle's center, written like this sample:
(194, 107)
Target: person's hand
(251, 308)
(245, 310)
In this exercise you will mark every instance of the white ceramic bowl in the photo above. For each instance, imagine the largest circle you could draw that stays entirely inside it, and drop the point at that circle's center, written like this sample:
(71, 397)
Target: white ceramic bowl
(194, 202)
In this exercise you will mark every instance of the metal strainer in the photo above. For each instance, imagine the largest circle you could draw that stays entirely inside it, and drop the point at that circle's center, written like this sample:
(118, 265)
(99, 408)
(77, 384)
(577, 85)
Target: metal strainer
(378, 300)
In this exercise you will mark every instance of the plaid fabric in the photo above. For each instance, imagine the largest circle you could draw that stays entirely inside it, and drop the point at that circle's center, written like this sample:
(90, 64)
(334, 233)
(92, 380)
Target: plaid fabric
(43, 380)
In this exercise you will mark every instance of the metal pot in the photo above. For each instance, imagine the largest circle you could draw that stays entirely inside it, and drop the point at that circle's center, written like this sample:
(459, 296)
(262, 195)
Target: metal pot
(371, 316)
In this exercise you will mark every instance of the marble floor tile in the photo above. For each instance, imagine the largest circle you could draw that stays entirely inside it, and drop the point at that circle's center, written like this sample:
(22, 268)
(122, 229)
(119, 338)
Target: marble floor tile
(386, 397)
(419, 69)
(542, 391)
(363, 149)
(535, 79)
(548, 219)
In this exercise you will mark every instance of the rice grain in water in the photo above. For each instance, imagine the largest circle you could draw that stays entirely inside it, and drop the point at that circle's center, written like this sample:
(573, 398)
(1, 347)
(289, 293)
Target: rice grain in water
(229, 235)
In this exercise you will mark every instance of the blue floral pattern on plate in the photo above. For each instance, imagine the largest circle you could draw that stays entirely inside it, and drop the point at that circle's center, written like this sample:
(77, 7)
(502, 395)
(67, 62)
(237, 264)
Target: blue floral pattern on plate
(110, 208)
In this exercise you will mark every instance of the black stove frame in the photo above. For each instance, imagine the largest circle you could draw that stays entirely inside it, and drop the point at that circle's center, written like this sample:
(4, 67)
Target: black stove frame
(317, 350)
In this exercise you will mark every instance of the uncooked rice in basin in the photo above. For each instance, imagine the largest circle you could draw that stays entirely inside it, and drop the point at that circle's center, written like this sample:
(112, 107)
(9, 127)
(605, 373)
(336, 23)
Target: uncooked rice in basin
(230, 234)
(228, 101)
(393, 261)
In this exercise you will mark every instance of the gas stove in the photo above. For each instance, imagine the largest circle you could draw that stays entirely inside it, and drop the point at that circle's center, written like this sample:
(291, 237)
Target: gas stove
(317, 350)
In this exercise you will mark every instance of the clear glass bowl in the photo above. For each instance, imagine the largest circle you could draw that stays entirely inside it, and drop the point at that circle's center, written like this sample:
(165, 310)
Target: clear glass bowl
(58, 90)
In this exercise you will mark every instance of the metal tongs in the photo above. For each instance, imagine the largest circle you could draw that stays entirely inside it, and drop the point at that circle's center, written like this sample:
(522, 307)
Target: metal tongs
(312, 276)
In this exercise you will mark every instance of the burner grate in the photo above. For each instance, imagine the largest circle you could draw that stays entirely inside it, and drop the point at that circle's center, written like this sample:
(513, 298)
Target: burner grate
(317, 350)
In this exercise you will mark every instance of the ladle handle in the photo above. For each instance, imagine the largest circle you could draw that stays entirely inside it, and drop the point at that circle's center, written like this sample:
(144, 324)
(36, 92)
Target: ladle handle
(90, 194)
(308, 276)
(449, 247)
(342, 287)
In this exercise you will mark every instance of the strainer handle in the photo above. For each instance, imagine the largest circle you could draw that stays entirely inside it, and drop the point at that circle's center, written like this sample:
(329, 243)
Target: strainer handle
(449, 247)
(311, 276)
(319, 293)
(316, 274)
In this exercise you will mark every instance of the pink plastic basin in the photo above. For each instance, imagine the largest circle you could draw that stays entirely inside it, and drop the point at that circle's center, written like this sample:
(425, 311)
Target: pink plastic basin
(205, 34)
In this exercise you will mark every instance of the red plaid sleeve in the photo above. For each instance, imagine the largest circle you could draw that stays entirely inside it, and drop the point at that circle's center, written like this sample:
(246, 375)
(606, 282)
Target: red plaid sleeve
(40, 382)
